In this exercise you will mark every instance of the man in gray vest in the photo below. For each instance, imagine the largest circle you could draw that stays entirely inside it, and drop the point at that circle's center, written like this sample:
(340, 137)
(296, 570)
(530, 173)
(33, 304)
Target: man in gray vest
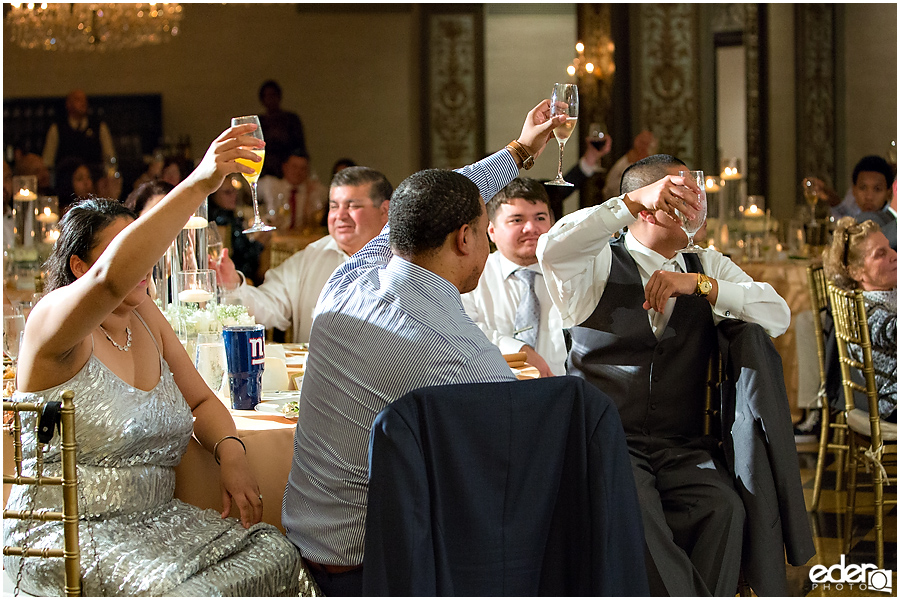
(642, 321)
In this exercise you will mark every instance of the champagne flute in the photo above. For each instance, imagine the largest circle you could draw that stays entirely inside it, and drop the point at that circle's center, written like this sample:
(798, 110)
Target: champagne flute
(811, 195)
(13, 326)
(251, 178)
(692, 226)
(214, 243)
(563, 101)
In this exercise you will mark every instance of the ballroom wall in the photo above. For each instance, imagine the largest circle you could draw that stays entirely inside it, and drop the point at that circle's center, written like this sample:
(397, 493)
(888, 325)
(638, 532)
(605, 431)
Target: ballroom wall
(869, 47)
(353, 76)
(353, 73)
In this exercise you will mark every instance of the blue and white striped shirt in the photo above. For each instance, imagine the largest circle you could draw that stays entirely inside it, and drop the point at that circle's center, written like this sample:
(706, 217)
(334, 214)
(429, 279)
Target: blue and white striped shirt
(383, 326)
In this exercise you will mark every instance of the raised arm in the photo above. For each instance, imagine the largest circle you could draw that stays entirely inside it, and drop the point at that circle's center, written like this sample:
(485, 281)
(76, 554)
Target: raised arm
(67, 315)
(491, 174)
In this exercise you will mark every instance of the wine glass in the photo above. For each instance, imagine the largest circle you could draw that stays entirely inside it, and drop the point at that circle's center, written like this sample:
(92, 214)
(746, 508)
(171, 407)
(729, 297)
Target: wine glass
(214, 243)
(563, 101)
(811, 195)
(251, 178)
(596, 138)
(692, 226)
(13, 326)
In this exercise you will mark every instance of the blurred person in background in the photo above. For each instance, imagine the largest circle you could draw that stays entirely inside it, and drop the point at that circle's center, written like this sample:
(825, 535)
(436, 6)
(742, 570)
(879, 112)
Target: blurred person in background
(283, 130)
(860, 257)
(245, 250)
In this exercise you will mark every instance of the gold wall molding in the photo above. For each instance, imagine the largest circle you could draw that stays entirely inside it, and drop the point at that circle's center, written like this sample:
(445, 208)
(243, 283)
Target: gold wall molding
(815, 60)
(669, 60)
(453, 94)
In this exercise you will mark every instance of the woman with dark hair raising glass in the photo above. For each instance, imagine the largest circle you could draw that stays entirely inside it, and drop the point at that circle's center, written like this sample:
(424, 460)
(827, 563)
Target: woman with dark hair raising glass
(138, 402)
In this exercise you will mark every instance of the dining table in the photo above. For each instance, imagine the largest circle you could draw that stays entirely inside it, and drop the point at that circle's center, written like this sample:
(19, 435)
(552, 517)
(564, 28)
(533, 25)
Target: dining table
(269, 440)
(788, 277)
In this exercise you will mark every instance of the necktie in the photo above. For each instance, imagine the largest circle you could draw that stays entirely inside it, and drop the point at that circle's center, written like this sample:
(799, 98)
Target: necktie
(293, 203)
(658, 321)
(528, 313)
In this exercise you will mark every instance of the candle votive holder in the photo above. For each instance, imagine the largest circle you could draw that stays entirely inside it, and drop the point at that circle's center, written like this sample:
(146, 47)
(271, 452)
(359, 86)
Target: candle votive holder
(25, 228)
(195, 287)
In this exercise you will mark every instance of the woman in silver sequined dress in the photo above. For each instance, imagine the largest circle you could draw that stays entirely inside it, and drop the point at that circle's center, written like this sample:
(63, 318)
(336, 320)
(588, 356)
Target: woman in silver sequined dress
(138, 400)
(860, 257)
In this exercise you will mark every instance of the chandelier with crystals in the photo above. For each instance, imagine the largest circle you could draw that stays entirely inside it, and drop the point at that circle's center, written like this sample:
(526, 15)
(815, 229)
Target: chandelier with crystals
(91, 27)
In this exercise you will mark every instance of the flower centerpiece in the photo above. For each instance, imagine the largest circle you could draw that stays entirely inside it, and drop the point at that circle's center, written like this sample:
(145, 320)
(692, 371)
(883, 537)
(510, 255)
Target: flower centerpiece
(188, 321)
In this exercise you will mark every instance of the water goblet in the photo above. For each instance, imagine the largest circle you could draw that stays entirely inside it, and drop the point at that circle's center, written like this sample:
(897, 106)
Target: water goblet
(692, 225)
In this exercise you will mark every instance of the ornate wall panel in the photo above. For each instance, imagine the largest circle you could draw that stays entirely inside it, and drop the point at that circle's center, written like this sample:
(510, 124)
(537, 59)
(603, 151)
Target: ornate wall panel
(669, 80)
(453, 95)
(815, 60)
(757, 165)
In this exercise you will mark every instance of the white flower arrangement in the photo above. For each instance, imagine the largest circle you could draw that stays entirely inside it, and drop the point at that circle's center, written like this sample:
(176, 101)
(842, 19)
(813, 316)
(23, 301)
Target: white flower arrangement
(189, 321)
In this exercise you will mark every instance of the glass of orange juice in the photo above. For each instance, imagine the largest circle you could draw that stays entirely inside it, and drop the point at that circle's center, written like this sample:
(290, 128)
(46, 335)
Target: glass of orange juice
(252, 178)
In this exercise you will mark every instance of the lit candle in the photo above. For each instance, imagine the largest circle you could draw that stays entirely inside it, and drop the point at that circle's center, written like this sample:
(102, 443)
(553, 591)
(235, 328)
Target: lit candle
(753, 211)
(730, 173)
(25, 195)
(711, 185)
(194, 295)
(48, 216)
(196, 222)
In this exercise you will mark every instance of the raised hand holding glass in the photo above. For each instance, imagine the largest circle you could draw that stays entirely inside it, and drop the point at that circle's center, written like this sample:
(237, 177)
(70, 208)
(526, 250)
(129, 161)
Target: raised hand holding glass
(692, 225)
(251, 178)
(563, 100)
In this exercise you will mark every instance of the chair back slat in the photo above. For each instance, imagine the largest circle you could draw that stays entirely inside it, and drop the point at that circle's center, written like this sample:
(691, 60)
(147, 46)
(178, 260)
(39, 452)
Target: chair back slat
(70, 553)
(818, 298)
(851, 328)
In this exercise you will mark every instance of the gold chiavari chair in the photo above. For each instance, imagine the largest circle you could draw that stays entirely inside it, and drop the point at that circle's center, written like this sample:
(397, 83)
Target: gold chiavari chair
(872, 442)
(69, 482)
(833, 434)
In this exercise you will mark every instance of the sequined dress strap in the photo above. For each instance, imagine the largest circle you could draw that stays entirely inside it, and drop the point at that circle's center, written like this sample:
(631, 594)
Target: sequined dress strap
(152, 337)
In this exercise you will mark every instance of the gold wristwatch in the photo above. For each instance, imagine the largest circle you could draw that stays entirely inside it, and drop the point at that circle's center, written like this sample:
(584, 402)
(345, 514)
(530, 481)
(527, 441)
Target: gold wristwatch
(704, 286)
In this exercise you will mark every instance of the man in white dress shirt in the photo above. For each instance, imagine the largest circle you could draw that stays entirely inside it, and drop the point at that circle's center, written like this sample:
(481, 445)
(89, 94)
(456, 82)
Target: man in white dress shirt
(642, 318)
(518, 215)
(358, 210)
(298, 193)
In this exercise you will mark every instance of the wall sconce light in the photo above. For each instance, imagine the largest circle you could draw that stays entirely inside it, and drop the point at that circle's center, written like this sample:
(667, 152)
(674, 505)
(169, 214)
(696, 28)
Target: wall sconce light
(597, 60)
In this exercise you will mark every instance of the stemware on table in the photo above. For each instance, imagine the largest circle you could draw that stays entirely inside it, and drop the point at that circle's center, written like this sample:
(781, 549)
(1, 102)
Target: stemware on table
(563, 100)
(13, 327)
(811, 195)
(252, 178)
(692, 225)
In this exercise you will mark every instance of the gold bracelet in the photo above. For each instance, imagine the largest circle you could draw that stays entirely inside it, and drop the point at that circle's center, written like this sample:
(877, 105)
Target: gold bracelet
(227, 437)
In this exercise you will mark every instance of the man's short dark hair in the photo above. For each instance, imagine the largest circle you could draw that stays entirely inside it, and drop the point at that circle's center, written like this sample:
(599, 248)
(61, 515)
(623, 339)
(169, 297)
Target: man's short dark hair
(381, 188)
(427, 206)
(525, 188)
(646, 171)
(269, 83)
(299, 152)
(875, 164)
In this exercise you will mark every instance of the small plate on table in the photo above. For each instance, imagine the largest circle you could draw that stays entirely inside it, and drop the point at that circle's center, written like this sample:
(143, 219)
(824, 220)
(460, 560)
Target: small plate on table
(277, 404)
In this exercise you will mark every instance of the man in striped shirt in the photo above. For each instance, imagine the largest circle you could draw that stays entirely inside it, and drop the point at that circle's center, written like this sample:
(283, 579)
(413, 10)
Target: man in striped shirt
(390, 320)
